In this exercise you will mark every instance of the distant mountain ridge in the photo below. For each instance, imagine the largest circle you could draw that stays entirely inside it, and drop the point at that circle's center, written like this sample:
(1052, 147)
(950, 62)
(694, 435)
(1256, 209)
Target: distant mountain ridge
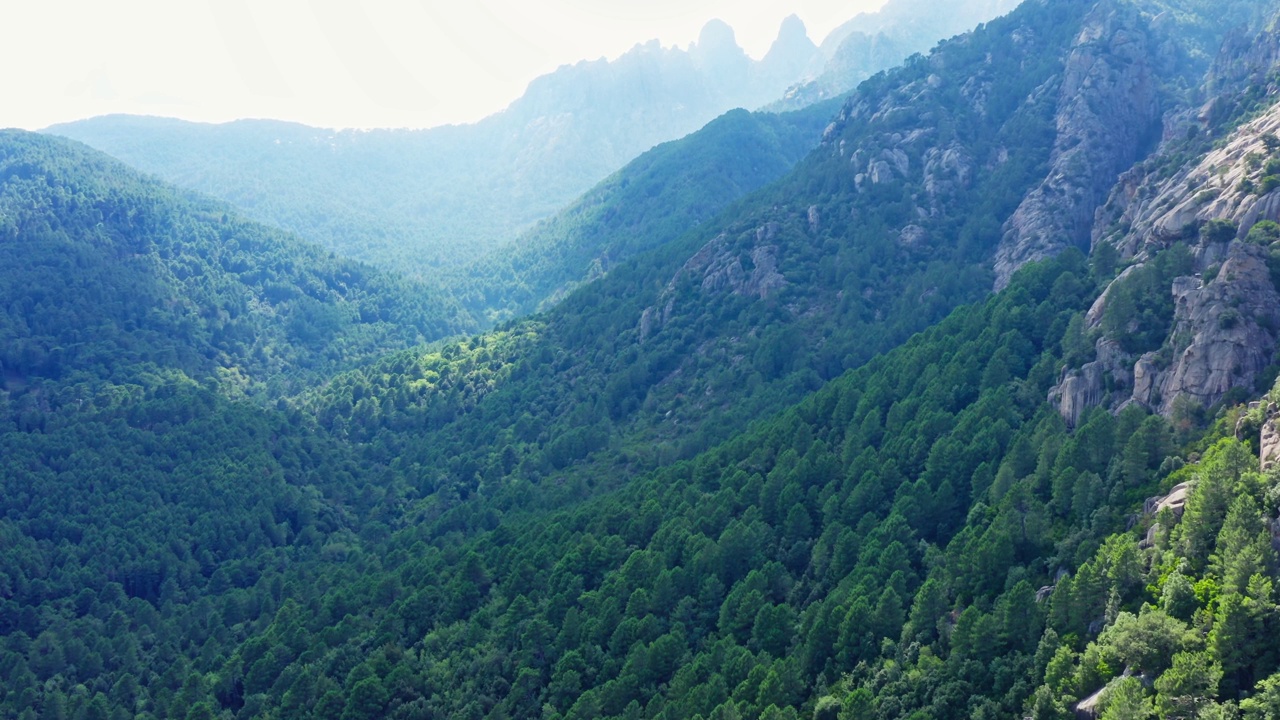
(419, 200)
(422, 201)
(871, 42)
(112, 276)
(658, 197)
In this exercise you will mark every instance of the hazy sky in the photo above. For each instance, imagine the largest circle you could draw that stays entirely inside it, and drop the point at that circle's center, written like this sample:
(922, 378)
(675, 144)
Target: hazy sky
(338, 63)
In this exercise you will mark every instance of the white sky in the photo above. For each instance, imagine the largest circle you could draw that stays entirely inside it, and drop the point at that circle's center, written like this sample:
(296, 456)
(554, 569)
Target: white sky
(338, 63)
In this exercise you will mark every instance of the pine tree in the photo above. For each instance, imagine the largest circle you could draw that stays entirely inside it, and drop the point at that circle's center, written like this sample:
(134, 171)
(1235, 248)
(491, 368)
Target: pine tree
(1126, 700)
(1243, 547)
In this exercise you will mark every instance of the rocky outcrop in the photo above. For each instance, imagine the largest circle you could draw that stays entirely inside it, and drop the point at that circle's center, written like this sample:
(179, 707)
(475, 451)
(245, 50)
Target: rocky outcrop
(1087, 387)
(1091, 706)
(946, 170)
(1175, 501)
(889, 165)
(748, 267)
(1093, 318)
(1227, 315)
(1149, 207)
(1224, 336)
(913, 236)
(1108, 109)
(1269, 439)
(1076, 393)
(919, 136)
(1142, 218)
(725, 272)
(1245, 59)
(1229, 327)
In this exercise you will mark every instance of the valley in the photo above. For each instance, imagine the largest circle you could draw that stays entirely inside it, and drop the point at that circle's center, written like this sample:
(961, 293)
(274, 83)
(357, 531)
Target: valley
(952, 396)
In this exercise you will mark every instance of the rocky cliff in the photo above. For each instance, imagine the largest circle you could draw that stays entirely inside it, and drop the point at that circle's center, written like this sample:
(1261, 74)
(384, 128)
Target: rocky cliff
(1153, 207)
(1108, 109)
(1216, 211)
(1224, 335)
(1269, 438)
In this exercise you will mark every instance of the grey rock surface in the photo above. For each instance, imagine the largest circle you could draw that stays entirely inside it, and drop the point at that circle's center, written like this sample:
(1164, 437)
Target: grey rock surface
(1108, 107)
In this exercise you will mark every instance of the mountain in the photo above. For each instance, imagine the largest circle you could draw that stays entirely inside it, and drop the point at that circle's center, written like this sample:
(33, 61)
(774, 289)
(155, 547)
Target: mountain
(872, 42)
(1190, 321)
(110, 275)
(419, 201)
(886, 227)
(427, 202)
(801, 461)
(891, 545)
(655, 199)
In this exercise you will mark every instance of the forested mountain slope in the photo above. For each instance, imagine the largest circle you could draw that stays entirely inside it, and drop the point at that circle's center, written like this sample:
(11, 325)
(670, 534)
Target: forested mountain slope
(145, 530)
(795, 463)
(107, 275)
(654, 200)
(976, 523)
(885, 228)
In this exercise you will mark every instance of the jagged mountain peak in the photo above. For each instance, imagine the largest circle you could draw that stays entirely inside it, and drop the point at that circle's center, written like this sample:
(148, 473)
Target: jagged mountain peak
(873, 41)
(717, 36)
(793, 41)
(793, 30)
(793, 54)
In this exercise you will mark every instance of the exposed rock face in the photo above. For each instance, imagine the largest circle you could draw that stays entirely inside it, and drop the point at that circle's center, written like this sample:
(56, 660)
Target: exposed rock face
(1086, 387)
(1230, 323)
(1225, 330)
(723, 271)
(1224, 336)
(1222, 186)
(1076, 393)
(1146, 373)
(1269, 443)
(946, 169)
(913, 236)
(1245, 58)
(1107, 109)
(1175, 502)
(723, 266)
(1094, 317)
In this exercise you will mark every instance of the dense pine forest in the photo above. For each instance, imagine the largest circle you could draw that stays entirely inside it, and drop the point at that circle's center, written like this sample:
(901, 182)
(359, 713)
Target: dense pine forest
(955, 398)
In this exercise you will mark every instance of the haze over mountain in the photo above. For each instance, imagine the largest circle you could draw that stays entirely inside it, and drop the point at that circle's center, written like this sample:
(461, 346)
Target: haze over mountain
(418, 201)
(969, 412)
(874, 41)
(111, 274)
